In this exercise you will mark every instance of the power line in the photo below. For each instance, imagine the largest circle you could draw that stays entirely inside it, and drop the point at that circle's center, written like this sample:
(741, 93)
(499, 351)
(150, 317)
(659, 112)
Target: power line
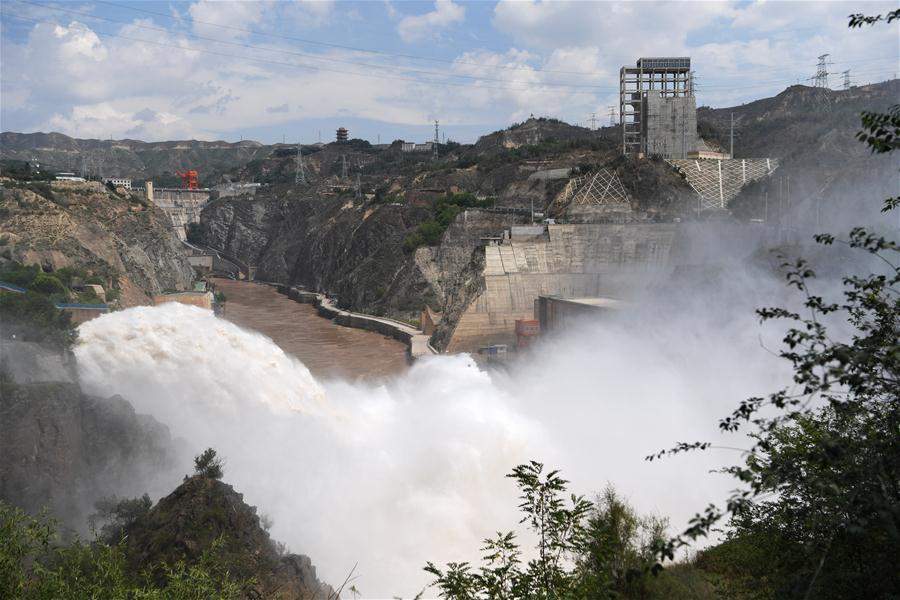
(296, 53)
(533, 87)
(344, 47)
(358, 49)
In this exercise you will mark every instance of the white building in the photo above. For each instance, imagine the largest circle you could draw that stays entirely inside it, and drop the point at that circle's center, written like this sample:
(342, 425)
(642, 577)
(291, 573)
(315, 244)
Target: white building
(68, 177)
(414, 147)
(119, 182)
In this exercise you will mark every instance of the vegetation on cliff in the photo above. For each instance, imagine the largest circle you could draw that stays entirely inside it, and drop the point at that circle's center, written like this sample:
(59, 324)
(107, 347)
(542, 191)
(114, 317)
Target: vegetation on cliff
(200, 542)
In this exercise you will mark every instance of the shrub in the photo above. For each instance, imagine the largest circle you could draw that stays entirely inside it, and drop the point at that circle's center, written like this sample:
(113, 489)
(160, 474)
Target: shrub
(33, 317)
(48, 284)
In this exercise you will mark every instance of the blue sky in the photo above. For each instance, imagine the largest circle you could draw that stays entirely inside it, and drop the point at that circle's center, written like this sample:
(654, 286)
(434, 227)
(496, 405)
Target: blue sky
(266, 70)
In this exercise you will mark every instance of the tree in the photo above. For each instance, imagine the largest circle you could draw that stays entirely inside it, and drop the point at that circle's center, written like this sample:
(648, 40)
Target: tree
(207, 464)
(821, 481)
(583, 549)
(117, 514)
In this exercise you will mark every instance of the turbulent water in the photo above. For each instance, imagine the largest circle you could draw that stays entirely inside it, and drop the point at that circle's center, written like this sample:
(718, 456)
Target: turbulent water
(391, 473)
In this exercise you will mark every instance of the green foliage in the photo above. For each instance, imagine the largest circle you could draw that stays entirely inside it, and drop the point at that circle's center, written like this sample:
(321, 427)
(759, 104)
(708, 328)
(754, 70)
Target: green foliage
(48, 285)
(33, 317)
(583, 549)
(32, 567)
(220, 297)
(208, 464)
(21, 170)
(18, 274)
(117, 514)
(445, 210)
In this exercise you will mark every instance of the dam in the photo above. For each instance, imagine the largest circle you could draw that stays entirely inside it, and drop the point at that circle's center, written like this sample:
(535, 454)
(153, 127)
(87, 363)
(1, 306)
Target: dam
(619, 261)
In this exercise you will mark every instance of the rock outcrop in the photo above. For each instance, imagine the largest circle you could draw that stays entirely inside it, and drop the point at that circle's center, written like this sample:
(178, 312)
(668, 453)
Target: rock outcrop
(63, 449)
(119, 237)
(201, 511)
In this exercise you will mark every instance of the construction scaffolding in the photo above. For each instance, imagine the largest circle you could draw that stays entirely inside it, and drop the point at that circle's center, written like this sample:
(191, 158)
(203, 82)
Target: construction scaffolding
(663, 80)
(597, 192)
(718, 181)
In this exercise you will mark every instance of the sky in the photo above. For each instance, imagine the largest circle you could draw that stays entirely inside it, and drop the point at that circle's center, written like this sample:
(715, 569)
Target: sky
(273, 71)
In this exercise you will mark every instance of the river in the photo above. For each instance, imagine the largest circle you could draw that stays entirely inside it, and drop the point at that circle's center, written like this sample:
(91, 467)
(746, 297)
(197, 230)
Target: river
(327, 349)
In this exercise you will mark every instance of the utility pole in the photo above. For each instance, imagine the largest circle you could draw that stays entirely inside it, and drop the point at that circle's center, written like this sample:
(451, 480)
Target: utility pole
(732, 135)
(300, 174)
(358, 187)
(436, 140)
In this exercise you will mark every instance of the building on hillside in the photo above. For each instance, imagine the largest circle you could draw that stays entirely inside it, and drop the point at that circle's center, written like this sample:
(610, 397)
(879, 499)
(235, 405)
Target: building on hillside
(119, 182)
(657, 108)
(414, 147)
(68, 177)
(342, 135)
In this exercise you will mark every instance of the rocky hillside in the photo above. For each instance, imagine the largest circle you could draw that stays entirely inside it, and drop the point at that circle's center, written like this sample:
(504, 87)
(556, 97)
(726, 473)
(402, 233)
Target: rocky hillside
(116, 236)
(63, 449)
(203, 511)
(407, 237)
(812, 132)
(138, 160)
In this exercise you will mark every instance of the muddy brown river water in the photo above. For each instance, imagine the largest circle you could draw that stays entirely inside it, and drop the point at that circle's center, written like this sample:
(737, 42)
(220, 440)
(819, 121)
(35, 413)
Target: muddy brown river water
(327, 349)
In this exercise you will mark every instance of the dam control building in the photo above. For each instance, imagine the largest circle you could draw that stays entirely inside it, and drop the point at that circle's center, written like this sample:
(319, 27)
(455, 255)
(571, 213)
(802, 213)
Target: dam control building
(657, 108)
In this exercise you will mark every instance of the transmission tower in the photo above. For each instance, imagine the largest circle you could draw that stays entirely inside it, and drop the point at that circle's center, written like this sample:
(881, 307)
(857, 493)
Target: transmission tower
(612, 116)
(344, 167)
(846, 75)
(358, 187)
(300, 174)
(436, 140)
(593, 121)
(821, 76)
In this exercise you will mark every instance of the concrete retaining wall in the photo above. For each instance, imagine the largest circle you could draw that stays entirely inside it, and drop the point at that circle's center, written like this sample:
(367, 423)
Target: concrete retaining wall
(416, 341)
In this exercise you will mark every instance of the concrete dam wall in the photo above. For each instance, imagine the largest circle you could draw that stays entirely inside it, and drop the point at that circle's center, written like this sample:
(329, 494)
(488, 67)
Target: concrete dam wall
(577, 260)
(591, 260)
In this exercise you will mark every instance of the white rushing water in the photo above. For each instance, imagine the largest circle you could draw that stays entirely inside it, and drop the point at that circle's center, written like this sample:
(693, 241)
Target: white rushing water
(391, 474)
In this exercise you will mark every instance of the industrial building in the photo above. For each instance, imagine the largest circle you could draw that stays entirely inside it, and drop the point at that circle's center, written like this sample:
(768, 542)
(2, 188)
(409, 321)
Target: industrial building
(657, 108)
(414, 147)
(119, 182)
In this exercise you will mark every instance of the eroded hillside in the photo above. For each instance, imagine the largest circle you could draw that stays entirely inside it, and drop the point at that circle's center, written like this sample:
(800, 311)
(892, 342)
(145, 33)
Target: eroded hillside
(116, 236)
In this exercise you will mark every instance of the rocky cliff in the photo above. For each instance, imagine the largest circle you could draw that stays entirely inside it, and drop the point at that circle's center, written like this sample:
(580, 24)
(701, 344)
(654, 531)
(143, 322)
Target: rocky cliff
(117, 236)
(826, 177)
(63, 449)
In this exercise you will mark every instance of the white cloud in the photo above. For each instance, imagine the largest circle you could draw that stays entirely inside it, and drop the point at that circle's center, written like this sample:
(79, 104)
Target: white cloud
(413, 28)
(224, 18)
